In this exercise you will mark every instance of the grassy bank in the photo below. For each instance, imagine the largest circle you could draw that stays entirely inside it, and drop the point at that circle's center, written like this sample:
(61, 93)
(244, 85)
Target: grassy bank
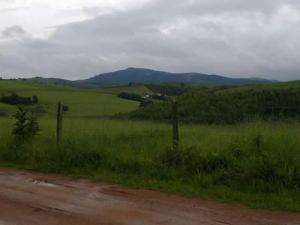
(257, 164)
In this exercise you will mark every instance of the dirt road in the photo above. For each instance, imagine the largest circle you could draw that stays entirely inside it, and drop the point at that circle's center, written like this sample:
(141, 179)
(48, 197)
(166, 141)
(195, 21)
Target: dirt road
(37, 199)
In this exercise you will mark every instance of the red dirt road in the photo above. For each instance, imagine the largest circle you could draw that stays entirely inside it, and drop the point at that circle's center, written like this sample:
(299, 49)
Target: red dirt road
(37, 199)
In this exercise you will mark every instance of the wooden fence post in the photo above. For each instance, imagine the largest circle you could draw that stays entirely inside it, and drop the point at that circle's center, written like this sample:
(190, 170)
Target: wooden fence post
(175, 125)
(59, 123)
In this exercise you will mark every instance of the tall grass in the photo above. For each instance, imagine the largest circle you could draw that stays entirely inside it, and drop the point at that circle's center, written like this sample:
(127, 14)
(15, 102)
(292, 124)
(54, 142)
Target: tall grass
(257, 163)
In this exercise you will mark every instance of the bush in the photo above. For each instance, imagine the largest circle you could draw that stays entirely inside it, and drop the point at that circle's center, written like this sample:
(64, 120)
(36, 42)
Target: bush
(25, 127)
(15, 99)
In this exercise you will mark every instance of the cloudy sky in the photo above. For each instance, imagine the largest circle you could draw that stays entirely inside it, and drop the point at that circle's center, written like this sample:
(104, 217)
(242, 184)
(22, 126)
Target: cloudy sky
(76, 39)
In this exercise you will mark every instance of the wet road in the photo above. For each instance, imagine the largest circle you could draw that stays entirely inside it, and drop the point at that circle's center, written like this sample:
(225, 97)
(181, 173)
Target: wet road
(36, 199)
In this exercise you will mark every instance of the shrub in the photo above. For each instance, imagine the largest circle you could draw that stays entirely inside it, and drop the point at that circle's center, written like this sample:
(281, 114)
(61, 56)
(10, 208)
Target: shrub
(25, 127)
(15, 99)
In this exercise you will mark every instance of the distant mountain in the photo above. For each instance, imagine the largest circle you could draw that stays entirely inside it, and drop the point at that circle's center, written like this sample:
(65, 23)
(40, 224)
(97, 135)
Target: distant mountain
(147, 76)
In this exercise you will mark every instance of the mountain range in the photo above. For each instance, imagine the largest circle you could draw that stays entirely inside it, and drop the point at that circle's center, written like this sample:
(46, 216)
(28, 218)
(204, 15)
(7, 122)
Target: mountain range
(148, 76)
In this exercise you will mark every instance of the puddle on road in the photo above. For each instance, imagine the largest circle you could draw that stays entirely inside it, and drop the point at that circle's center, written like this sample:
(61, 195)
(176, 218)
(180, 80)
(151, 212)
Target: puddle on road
(42, 183)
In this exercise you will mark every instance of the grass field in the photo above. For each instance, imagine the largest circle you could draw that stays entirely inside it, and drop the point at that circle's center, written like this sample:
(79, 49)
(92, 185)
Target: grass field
(220, 162)
(82, 103)
(257, 164)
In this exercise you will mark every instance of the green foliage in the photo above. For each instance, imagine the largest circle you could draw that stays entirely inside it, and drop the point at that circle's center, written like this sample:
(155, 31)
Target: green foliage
(262, 172)
(131, 96)
(228, 106)
(25, 127)
(14, 99)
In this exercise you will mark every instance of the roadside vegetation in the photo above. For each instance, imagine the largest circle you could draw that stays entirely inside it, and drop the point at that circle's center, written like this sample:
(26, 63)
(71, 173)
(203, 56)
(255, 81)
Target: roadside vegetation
(255, 163)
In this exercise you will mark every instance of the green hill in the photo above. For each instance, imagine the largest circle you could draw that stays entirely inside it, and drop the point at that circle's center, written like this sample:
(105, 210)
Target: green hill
(230, 105)
(82, 102)
(147, 76)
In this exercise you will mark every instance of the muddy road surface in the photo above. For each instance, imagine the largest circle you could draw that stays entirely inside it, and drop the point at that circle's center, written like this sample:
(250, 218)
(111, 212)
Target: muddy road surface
(36, 199)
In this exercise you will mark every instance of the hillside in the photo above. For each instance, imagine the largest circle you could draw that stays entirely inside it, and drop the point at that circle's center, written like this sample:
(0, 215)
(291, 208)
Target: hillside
(49, 81)
(230, 105)
(82, 102)
(147, 76)
(135, 88)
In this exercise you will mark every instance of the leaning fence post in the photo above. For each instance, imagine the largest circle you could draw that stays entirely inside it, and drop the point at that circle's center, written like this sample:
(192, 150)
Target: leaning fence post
(59, 123)
(175, 124)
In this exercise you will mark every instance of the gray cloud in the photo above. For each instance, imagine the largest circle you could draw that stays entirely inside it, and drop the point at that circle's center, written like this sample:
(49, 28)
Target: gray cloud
(13, 32)
(235, 37)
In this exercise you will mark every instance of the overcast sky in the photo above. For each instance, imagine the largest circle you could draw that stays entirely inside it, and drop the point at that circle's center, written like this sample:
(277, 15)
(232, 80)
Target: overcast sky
(76, 39)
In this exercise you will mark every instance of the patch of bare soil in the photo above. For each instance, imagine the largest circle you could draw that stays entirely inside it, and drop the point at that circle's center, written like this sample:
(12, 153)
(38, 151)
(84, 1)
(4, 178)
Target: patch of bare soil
(35, 199)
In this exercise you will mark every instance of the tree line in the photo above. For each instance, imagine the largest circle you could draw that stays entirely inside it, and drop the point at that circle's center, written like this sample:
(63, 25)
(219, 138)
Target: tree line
(15, 99)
